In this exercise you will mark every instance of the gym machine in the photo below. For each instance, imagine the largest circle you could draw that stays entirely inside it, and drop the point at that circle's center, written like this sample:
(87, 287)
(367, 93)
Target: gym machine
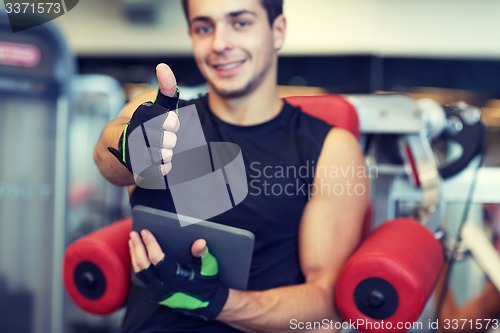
(35, 74)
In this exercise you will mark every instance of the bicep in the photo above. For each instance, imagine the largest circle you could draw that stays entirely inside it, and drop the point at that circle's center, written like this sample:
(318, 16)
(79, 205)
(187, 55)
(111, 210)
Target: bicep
(332, 220)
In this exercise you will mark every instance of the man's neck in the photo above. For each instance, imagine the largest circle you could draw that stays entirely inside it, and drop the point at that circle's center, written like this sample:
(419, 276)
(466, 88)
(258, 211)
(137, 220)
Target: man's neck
(259, 106)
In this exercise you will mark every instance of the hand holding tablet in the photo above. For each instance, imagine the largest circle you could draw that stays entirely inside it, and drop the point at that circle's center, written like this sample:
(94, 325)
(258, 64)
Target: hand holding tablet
(233, 247)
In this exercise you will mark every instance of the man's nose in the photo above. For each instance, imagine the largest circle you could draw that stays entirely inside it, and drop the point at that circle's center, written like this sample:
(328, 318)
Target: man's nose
(222, 40)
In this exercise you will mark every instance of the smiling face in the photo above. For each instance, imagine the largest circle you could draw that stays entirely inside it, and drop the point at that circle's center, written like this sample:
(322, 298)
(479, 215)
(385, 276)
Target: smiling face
(234, 46)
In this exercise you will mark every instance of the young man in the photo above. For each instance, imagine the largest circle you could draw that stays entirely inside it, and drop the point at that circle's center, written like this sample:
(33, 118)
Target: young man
(302, 239)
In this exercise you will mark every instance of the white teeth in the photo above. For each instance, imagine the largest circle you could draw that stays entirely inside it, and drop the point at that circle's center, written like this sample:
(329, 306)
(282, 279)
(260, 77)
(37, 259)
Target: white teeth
(228, 66)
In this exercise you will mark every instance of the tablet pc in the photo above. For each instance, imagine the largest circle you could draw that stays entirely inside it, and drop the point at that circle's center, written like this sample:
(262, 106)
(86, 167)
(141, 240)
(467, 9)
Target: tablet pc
(233, 247)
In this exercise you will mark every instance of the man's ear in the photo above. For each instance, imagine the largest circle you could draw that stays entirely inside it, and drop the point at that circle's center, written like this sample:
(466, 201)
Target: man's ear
(279, 32)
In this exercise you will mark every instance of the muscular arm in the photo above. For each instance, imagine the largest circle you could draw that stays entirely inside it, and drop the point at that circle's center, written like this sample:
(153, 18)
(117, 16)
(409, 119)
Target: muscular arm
(107, 164)
(330, 231)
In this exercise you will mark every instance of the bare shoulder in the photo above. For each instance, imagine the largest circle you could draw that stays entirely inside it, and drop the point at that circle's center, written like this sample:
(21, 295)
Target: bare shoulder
(341, 173)
(341, 147)
(131, 106)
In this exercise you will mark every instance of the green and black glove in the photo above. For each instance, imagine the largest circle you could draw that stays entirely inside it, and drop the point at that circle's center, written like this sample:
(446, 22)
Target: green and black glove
(139, 147)
(195, 290)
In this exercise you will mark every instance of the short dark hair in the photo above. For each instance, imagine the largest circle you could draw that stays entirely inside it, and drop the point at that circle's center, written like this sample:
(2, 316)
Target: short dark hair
(274, 8)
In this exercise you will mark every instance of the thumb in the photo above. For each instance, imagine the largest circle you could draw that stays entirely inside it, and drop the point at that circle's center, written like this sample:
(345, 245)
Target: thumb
(166, 80)
(198, 248)
(209, 265)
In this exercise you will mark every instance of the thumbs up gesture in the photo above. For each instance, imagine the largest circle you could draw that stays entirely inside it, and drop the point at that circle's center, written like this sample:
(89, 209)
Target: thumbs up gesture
(146, 145)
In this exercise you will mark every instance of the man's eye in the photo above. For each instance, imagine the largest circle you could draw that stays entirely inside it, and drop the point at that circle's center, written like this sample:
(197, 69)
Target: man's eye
(203, 30)
(241, 24)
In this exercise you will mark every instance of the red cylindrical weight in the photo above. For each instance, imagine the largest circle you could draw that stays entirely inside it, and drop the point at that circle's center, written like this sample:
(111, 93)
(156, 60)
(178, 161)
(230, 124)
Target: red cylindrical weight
(97, 268)
(387, 281)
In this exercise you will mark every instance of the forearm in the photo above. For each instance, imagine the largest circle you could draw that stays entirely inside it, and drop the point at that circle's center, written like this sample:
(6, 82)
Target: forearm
(276, 310)
(107, 164)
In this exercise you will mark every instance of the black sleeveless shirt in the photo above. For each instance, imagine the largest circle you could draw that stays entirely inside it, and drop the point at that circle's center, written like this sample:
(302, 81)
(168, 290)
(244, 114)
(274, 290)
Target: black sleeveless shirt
(280, 158)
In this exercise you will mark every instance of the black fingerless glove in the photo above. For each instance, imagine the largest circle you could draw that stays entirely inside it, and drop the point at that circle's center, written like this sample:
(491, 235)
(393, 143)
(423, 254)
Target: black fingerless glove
(195, 290)
(139, 147)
